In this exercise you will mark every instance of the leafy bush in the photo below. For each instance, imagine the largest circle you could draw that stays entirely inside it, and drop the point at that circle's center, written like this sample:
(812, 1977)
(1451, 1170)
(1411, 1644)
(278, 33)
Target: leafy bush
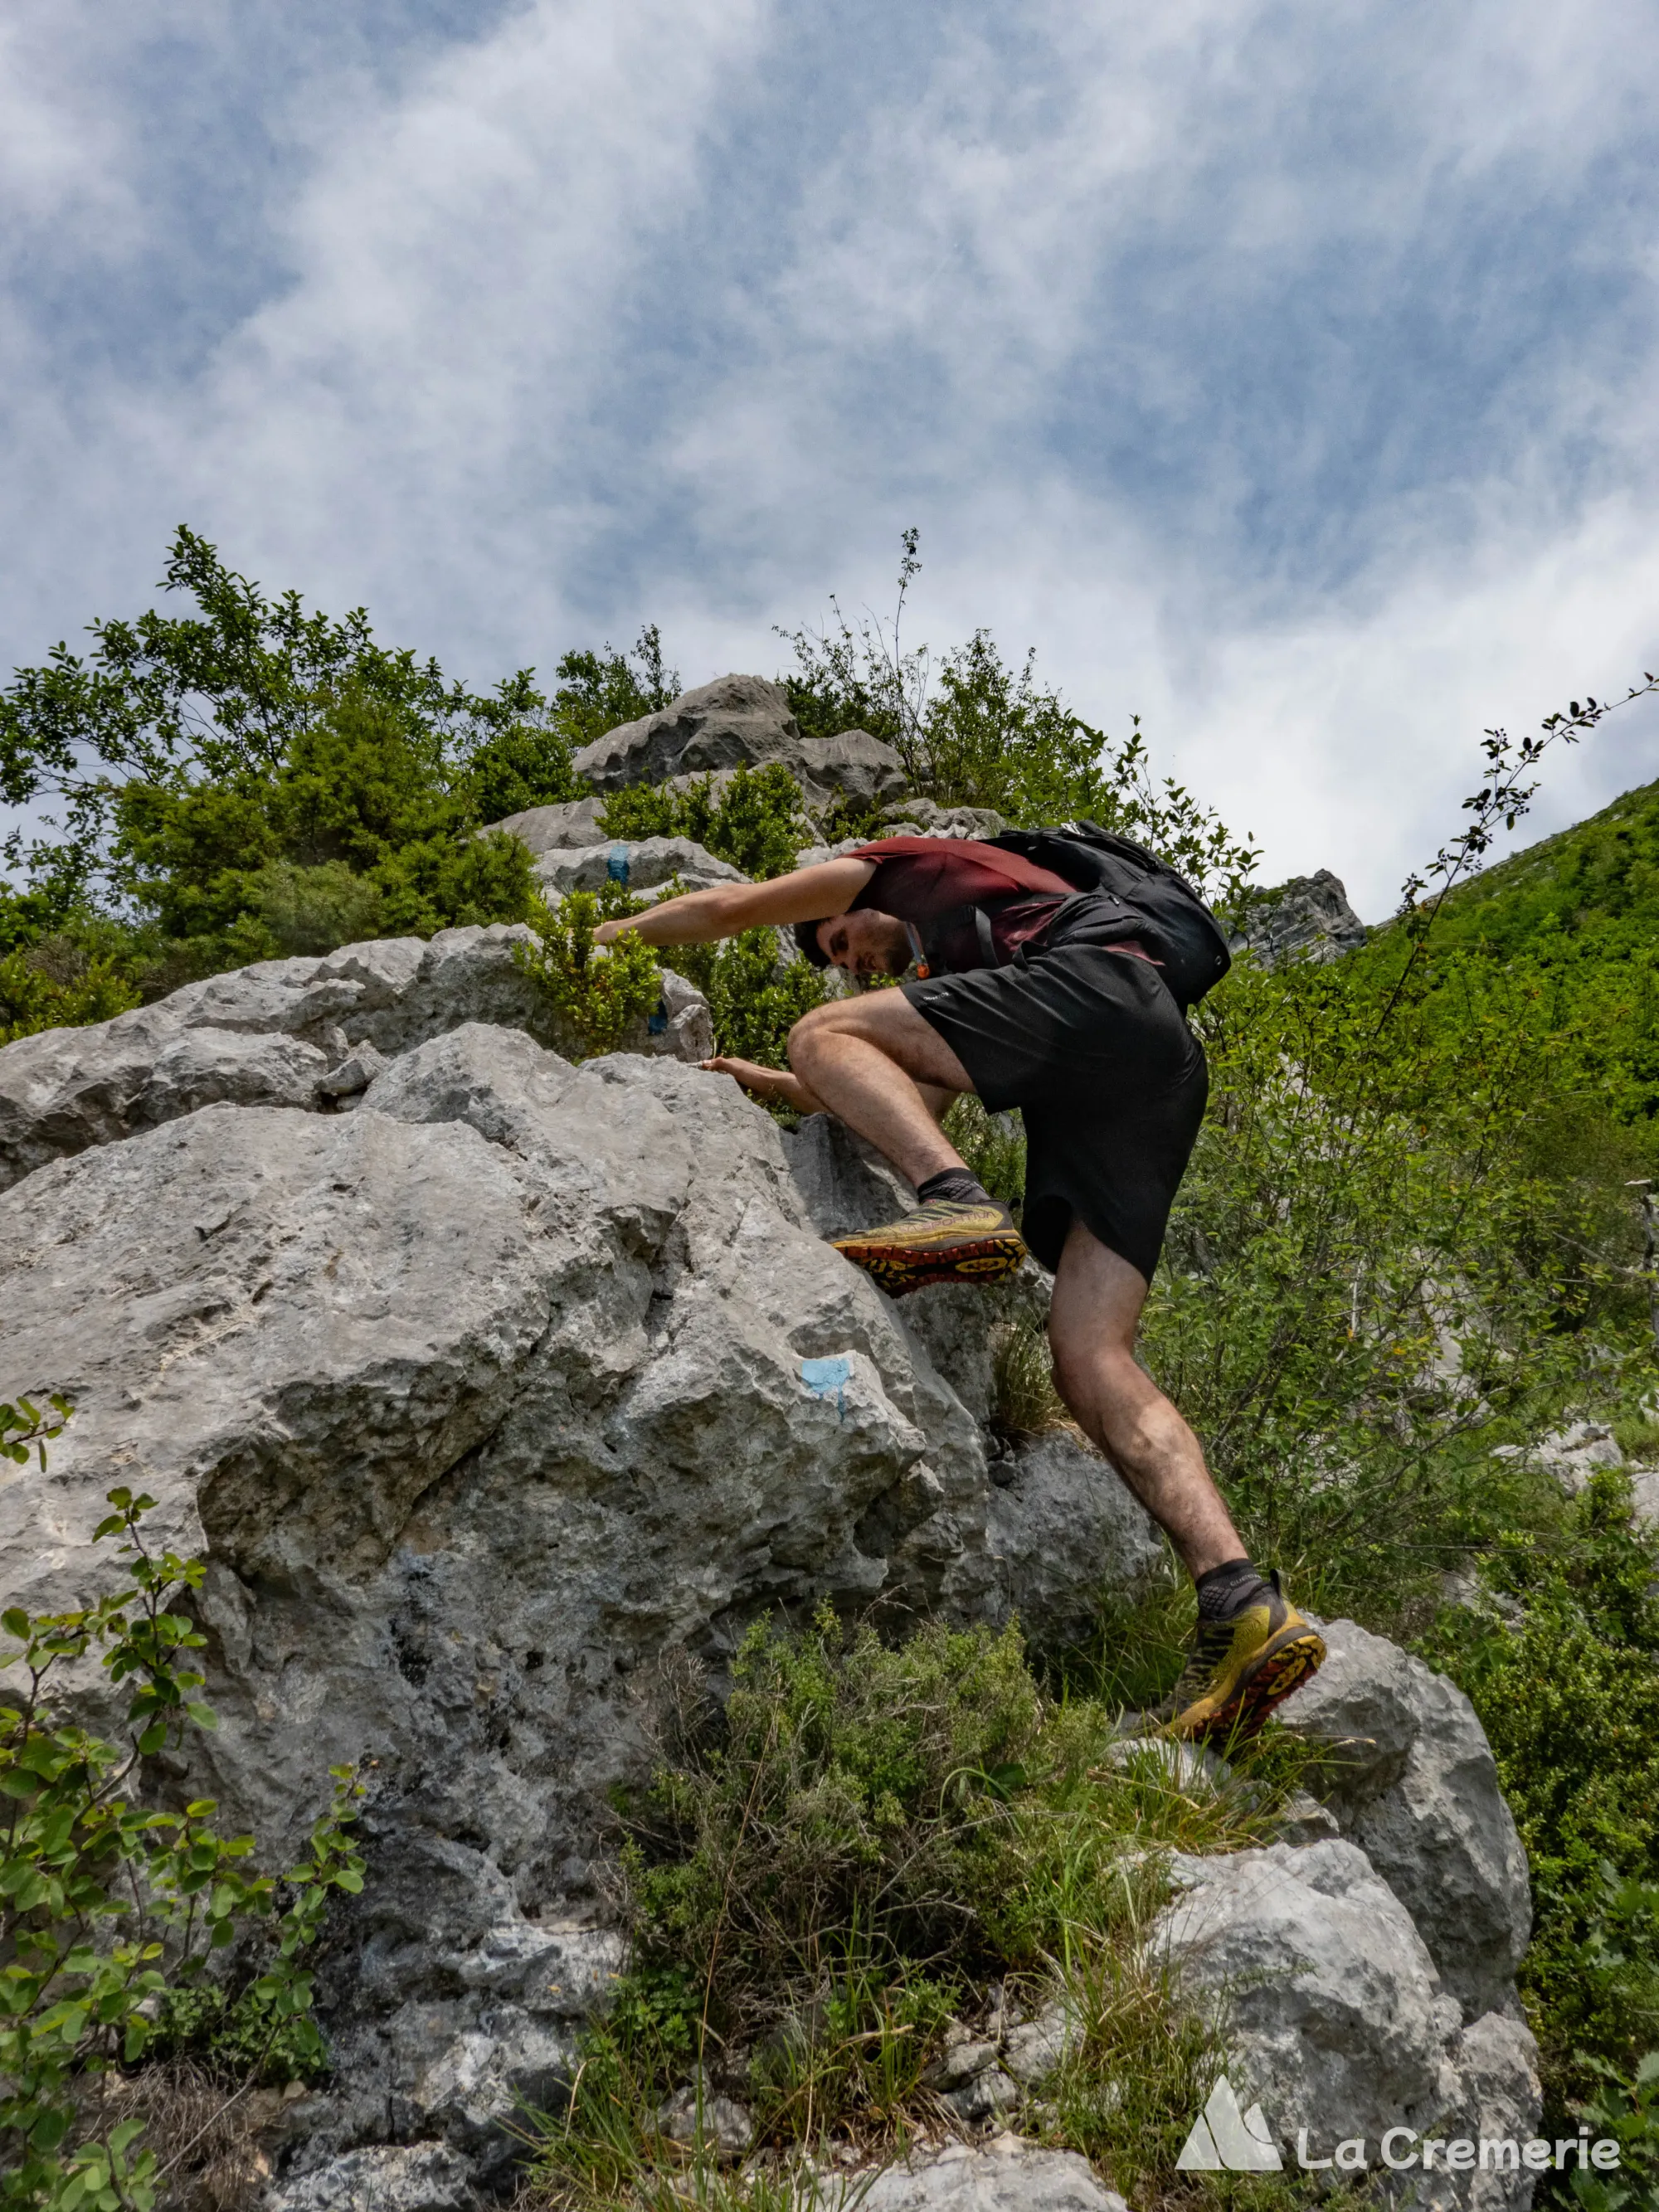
(57, 985)
(1562, 1663)
(867, 1840)
(757, 823)
(110, 1911)
(595, 991)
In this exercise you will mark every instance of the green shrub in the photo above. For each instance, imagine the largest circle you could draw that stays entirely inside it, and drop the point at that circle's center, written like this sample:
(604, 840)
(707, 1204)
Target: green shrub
(54, 985)
(755, 1000)
(594, 991)
(110, 1912)
(992, 1146)
(866, 1839)
(757, 823)
(1570, 1699)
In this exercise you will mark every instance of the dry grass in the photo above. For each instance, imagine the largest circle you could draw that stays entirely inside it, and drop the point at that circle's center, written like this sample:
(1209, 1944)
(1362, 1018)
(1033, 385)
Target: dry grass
(211, 2143)
(1023, 1400)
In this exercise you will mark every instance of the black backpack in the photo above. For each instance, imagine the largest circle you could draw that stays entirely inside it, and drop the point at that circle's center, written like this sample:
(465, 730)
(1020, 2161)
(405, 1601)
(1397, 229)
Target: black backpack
(1189, 941)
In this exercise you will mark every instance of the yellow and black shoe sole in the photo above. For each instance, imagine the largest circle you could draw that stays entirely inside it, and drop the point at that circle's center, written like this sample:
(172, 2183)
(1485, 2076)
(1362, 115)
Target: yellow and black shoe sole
(899, 1269)
(1264, 1684)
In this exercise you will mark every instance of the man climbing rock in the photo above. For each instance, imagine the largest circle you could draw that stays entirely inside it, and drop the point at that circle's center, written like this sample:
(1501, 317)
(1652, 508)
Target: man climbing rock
(1053, 972)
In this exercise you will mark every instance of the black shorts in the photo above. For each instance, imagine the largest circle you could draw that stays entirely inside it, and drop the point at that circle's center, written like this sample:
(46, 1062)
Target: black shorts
(1098, 1056)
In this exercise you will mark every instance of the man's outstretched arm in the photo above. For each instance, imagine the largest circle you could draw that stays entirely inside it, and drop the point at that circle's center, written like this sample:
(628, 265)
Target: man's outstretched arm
(812, 893)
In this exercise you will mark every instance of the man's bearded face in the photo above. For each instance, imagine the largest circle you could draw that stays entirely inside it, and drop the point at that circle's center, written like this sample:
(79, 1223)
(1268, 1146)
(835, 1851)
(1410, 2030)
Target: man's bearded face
(866, 943)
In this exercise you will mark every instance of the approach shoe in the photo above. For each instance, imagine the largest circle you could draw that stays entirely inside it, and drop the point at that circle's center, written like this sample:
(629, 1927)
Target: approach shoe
(1241, 1667)
(947, 1241)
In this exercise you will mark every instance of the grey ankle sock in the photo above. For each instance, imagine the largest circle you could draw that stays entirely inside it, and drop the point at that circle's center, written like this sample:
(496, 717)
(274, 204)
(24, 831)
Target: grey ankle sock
(1227, 1589)
(957, 1183)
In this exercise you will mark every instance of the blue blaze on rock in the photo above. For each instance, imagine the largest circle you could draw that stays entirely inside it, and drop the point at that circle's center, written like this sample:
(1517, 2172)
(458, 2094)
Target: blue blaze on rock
(828, 1378)
(616, 865)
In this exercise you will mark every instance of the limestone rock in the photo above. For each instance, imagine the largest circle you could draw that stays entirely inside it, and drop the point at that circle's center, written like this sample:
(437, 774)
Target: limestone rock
(1572, 1454)
(735, 719)
(983, 2095)
(1032, 2049)
(570, 821)
(698, 2113)
(476, 1399)
(423, 2177)
(925, 817)
(1192, 1768)
(292, 1033)
(1006, 2175)
(853, 765)
(1332, 2012)
(1411, 1779)
(641, 865)
(1307, 919)
(1069, 1535)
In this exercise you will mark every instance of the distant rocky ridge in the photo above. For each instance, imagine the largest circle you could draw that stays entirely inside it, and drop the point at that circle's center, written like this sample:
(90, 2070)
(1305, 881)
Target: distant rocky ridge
(1309, 917)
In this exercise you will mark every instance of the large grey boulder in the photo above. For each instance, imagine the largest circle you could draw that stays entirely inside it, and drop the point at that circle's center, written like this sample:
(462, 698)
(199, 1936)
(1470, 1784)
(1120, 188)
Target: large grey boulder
(1066, 1533)
(423, 2177)
(568, 822)
(925, 817)
(865, 771)
(1334, 2017)
(736, 719)
(644, 864)
(478, 1400)
(1070, 1537)
(287, 1033)
(739, 721)
(1309, 917)
(1410, 1777)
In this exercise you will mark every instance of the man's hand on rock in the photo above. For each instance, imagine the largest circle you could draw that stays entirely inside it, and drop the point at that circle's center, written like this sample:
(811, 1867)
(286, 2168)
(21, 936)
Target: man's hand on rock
(765, 1082)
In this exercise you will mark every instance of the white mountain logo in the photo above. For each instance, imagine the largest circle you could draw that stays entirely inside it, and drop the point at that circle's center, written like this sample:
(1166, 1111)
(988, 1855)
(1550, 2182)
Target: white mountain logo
(1225, 2140)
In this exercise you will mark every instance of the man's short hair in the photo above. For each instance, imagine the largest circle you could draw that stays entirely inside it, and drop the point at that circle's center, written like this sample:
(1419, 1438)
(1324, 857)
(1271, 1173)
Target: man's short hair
(807, 940)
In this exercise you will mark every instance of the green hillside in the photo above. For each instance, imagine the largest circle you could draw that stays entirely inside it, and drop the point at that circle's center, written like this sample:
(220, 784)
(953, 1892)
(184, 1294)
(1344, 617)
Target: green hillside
(1566, 937)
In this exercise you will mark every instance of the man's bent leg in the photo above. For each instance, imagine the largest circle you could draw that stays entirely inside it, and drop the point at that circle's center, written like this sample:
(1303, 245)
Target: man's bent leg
(886, 1072)
(1091, 1327)
(866, 1059)
(1250, 1647)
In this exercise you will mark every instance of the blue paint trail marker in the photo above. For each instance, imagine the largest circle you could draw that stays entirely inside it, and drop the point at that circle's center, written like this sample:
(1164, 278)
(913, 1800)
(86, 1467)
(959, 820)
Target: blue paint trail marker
(616, 865)
(828, 1378)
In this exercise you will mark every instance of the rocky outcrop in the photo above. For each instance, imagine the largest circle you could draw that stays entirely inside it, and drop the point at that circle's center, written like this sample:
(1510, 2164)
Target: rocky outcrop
(305, 1033)
(1006, 2175)
(478, 1400)
(485, 1398)
(740, 721)
(1335, 2016)
(423, 2176)
(644, 865)
(925, 817)
(567, 823)
(1307, 919)
(1410, 1777)
(1070, 1536)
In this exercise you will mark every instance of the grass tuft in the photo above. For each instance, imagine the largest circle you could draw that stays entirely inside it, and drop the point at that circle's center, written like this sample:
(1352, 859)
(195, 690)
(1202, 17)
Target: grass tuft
(869, 1842)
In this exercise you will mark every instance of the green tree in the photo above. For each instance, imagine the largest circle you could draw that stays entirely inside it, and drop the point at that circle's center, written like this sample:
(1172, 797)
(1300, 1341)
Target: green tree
(111, 1910)
(197, 769)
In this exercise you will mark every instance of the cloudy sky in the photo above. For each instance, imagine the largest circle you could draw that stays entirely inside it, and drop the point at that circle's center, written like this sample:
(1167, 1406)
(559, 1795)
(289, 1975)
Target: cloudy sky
(1285, 372)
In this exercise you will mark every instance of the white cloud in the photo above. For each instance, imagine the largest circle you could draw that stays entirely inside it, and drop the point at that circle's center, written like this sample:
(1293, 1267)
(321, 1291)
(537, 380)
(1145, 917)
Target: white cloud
(1281, 372)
